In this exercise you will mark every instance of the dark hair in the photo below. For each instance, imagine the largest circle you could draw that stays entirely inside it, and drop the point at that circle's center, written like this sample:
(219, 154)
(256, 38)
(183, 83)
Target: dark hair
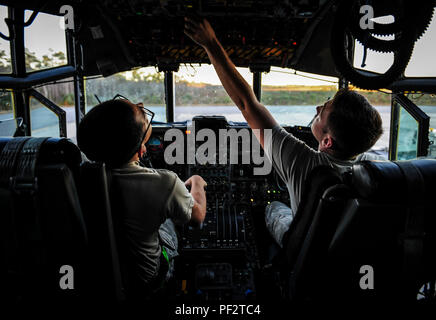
(355, 124)
(111, 133)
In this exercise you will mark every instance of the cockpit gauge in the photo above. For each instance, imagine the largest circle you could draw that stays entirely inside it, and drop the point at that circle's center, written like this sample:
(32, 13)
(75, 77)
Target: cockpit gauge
(155, 144)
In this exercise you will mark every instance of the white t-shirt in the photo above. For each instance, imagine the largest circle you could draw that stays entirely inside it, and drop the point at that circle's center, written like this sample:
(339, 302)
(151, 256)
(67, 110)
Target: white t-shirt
(149, 197)
(294, 160)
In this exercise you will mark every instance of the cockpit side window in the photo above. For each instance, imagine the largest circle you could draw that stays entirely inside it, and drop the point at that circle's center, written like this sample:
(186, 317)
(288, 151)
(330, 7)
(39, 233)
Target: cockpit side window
(427, 103)
(422, 61)
(5, 48)
(410, 129)
(45, 42)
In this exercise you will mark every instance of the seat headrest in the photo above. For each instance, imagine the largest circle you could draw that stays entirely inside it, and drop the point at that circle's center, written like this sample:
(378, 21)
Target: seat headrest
(385, 180)
(54, 150)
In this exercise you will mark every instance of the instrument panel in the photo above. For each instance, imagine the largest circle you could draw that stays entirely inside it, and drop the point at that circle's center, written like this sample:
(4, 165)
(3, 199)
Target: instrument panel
(231, 240)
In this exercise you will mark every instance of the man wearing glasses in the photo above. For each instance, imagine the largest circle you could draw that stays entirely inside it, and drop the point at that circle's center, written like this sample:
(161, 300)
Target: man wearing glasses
(151, 201)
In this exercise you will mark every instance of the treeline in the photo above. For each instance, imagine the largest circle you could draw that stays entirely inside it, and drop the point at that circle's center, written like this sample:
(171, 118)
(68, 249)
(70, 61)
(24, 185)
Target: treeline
(33, 63)
(149, 88)
(297, 98)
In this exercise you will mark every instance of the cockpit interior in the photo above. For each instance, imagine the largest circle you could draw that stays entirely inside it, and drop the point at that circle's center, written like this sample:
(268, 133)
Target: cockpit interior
(376, 221)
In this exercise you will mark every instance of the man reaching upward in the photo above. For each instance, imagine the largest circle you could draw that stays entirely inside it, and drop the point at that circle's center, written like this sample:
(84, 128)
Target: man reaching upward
(344, 127)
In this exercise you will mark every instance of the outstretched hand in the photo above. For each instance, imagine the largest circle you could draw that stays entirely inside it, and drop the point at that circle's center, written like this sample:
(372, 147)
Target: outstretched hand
(200, 31)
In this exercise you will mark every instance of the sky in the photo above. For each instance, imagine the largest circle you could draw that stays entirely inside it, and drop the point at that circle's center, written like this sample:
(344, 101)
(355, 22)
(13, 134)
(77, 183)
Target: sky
(45, 33)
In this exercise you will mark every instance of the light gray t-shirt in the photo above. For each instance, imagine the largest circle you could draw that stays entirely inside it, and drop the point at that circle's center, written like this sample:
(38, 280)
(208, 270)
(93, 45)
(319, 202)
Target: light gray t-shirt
(294, 160)
(148, 197)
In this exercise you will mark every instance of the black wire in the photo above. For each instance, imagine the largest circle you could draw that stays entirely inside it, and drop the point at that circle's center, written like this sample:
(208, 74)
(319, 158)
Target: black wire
(412, 95)
(365, 54)
(51, 83)
(9, 23)
(98, 99)
(32, 18)
(421, 94)
(34, 14)
(5, 37)
(145, 161)
(26, 24)
(304, 76)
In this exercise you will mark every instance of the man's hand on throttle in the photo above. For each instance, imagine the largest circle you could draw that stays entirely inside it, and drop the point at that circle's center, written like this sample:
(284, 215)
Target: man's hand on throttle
(197, 181)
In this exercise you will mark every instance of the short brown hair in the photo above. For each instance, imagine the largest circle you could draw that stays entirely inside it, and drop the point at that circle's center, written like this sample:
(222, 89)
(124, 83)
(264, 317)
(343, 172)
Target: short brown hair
(110, 133)
(354, 123)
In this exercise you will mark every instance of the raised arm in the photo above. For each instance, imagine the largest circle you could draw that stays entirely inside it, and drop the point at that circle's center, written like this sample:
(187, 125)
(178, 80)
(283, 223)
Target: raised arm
(256, 115)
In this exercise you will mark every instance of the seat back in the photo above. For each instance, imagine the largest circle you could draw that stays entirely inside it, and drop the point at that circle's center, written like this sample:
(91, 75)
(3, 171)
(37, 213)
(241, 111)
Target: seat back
(104, 263)
(389, 226)
(312, 226)
(41, 227)
(115, 276)
(379, 223)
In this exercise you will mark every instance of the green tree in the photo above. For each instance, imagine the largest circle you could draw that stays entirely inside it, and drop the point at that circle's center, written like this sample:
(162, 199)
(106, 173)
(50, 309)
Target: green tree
(5, 62)
(32, 62)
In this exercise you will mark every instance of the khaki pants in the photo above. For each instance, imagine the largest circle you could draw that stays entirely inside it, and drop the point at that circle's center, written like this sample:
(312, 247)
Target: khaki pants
(278, 218)
(168, 240)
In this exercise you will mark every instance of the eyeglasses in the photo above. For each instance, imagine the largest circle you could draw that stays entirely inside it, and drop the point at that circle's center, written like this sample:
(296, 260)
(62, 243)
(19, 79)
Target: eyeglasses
(149, 115)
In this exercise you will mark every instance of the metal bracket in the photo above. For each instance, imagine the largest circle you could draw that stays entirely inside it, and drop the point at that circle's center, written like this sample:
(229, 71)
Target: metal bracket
(60, 113)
